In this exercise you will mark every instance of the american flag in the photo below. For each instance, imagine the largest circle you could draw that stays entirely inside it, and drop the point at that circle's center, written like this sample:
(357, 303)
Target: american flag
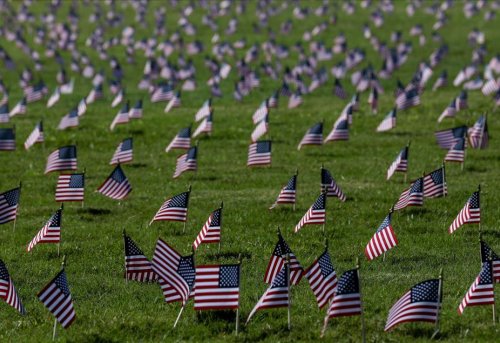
(389, 121)
(95, 94)
(373, 99)
(54, 98)
(63, 158)
(118, 98)
(469, 214)
(36, 136)
(412, 196)
(116, 185)
(82, 107)
(420, 304)
(295, 99)
(259, 153)
(448, 138)
(287, 193)
(347, 298)
(383, 240)
(50, 233)
(261, 112)
(461, 101)
(329, 185)
(186, 162)
(316, 213)
(449, 112)
(7, 290)
(20, 108)
(457, 152)
(408, 99)
(338, 90)
(181, 141)
(7, 139)
(277, 295)
(340, 131)
(176, 272)
(57, 298)
(285, 89)
(482, 291)
(322, 278)
(277, 261)
(35, 93)
(122, 117)
(136, 111)
(313, 136)
(204, 111)
(4, 113)
(70, 187)
(487, 254)
(162, 93)
(478, 134)
(261, 129)
(273, 100)
(137, 266)
(211, 231)
(490, 87)
(174, 209)
(205, 126)
(9, 201)
(435, 184)
(124, 152)
(69, 120)
(441, 81)
(217, 287)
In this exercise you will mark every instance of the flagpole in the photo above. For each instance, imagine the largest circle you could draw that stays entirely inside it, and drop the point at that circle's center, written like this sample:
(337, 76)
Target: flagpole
(444, 180)
(438, 306)
(125, 248)
(407, 155)
(363, 331)
(238, 308)
(179, 315)
(287, 266)
(296, 174)
(482, 132)
(59, 243)
(220, 224)
(15, 219)
(83, 201)
(479, 191)
(185, 222)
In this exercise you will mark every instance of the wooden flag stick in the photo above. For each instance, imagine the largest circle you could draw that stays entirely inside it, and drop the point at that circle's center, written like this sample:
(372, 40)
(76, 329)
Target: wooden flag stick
(220, 224)
(179, 315)
(54, 330)
(238, 308)
(444, 180)
(287, 266)
(15, 219)
(479, 191)
(438, 305)
(84, 170)
(363, 330)
(296, 174)
(124, 246)
(480, 248)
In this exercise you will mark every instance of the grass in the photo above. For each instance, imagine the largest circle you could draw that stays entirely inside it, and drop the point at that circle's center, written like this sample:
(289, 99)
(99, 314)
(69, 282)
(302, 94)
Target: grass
(108, 309)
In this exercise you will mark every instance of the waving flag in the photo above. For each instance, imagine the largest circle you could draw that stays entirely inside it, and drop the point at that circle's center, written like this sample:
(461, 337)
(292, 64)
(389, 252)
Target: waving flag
(435, 184)
(389, 121)
(7, 290)
(383, 240)
(69, 120)
(340, 131)
(482, 291)
(186, 162)
(259, 153)
(50, 233)
(277, 261)
(63, 158)
(313, 136)
(123, 152)
(457, 152)
(137, 266)
(449, 112)
(461, 101)
(329, 185)
(20, 108)
(205, 126)
(469, 214)
(7, 139)
(54, 98)
(478, 134)
(273, 100)
(118, 98)
(122, 117)
(261, 112)
(36, 136)
(408, 99)
(4, 113)
(322, 278)
(70, 187)
(174, 209)
(136, 111)
(174, 102)
(57, 298)
(116, 185)
(442, 81)
(412, 196)
(211, 231)
(162, 93)
(338, 90)
(82, 107)
(448, 138)
(181, 141)
(217, 287)
(315, 215)
(204, 111)
(487, 254)
(373, 99)
(287, 193)
(261, 129)
(95, 94)
(295, 100)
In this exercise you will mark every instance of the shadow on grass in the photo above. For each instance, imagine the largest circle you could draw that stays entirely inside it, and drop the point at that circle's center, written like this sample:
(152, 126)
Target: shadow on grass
(137, 165)
(93, 211)
(473, 168)
(137, 132)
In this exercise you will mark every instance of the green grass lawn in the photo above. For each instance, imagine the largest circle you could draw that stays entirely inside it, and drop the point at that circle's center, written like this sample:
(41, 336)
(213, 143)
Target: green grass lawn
(109, 309)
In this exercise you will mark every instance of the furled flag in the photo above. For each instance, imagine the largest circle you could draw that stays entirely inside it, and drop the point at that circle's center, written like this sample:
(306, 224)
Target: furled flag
(277, 261)
(420, 304)
(435, 184)
(295, 99)
(20, 108)
(261, 129)
(340, 130)
(412, 196)
(217, 287)
(69, 120)
(186, 162)
(315, 215)
(442, 81)
(322, 278)
(174, 209)
(373, 99)
(118, 98)
(50, 232)
(181, 141)
(329, 185)
(95, 94)
(287, 193)
(448, 138)
(338, 90)
(54, 98)
(63, 158)
(259, 153)
(487, 254)
(277, 295)
(383, 240)
(7, 290)
(211, 231)
(449, 112)
(204, 111)
(389, 121)
(123, 152)
(174, 102)
(116, 185)
(82, 107)
(122, 117)
(482, 291)
(70, 187)
(176, 273)
(408, 99)
(7, 139)
(36, 136)
(313, 136)
(137, 266)
(461, 101)
(261, 112)
(136, 111)
(457, 152)
(478, 134)
(205, 126)
(469, 214)
(57, 298)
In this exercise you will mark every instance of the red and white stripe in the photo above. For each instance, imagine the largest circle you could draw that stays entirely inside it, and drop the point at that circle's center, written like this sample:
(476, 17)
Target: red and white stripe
(209, 295)
(381, 242)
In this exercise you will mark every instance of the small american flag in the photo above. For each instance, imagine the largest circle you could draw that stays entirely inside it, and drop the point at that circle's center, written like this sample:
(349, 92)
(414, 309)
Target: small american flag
(174, 102)
(36, 92)
(448, 138)
(205, 126)
(313, 136)
(441, 81)
(211, 231)
(118, 98)
(457, 152)
(408, 99)
(82, 107)
(412, 196)
(373, 99)
(174, 209)
(217, 287)
(57, 298)
(315, 215)
(63, 158)
(389, 121)
(383, 240)
(137, 266)
(478, 134)
(20, 108)
(136, 111)
(69, 120)
(287, 193)
(181, 141)
(122, 117)
(469, 214)
(261, 112)
(186, 162)
(54, 98)
(277, 261)
(461, 101)
(449, 112)
(204, 111)
(50, 233)
(259, 153)
(7, 290)
(273, 100)
(95, 94)
(116, 185)
(4, 113)
(70, 187)
(9, 201)
(295, 100)
(481, 292)
(36, 136)
(487, 254)
(420, 304)
(490, 87)
(261, 129)
(435, 184)
(340, 130)
(124, 152)
(322, 278)
(338, 90)
(329, 185)
(7, 139)
(162, 93)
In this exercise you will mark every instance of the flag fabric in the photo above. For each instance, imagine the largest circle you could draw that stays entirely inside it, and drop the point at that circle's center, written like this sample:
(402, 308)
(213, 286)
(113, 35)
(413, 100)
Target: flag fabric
(261, 112)
(174, 270)
(204, 111)
(383, 240)
(420, 304)
(63, 158)
(487, 254)
(136, 111)
(412, 196)
(174, 208)
(69, 120)
(118, 98)
(174, 102)
(259, 153)
(7, 290)
(137, 266)
(322, 279)
(95, 94)
(211, 231)
(36, 136)
(400, 164)
(217, 287)
(313, 136)
(482, 291)
(441, 81)
(461, 101)
(35, 93)
(50, 233)
(162, 93)
(389, 121)
(338, 90)
(315, 215)
(373, 99)
(330, 186)
(20, 108)
(490, 87)
(70, 187)
(205, 126)
(340, 130)
(116, 185)
(186, 162)
(277, 261)
(261, 129)
(435, 184)
(449, 112)
(7, 139)
(57, 298)
(448, 138)
(295, 100)
(181, 141)
(122, 117)
(457, 152)
(277, 295)
(287, 193)
(124, 152)
(347, 298)
(4, 113)
(82, 107)
(54, 98)
(478, 134)
(9, 201)
(469, 214)
(408, 99)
